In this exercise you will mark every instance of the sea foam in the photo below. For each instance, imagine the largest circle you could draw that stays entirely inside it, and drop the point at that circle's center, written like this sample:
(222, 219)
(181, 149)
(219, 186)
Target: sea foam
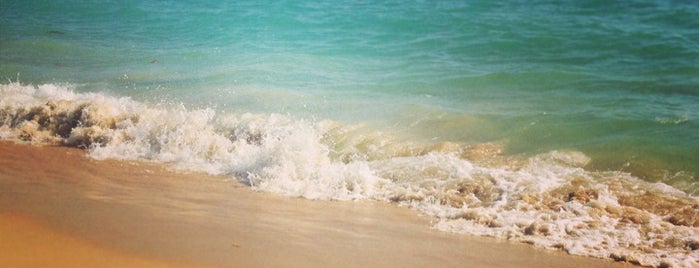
(549, 200)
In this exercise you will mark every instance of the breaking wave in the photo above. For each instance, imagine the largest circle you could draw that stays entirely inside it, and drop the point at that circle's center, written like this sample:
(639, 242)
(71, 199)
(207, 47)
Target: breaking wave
(549, 200)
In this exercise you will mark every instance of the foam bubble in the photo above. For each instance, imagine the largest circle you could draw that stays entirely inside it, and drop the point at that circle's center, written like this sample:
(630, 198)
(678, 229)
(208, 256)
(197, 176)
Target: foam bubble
(549, 200)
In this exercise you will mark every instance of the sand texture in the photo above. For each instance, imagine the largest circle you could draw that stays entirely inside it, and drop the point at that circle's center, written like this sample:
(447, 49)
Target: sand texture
(59, 208)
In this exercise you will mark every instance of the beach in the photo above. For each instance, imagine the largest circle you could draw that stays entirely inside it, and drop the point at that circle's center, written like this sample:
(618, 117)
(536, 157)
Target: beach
(29, 243)
(141, 214)
(389, 133)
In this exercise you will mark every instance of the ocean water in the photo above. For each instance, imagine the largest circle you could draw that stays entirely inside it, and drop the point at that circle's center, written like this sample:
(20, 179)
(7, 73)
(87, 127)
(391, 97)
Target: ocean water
(570, 125)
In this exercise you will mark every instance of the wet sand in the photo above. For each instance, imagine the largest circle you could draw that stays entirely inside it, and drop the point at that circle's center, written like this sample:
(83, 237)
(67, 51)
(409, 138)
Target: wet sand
(28, 243)
(141, 214)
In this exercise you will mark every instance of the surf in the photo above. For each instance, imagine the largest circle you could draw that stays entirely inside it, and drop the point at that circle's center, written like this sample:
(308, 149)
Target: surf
(550, 200)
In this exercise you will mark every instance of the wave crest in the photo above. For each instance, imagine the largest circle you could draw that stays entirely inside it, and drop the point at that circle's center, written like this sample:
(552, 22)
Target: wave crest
(549, 200)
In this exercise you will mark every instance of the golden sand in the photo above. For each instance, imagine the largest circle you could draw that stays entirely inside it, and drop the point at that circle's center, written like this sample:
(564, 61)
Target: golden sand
(28, 243)
(59, 208)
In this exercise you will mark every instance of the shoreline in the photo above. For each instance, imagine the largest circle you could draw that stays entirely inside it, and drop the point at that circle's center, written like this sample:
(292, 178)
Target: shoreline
(144, 209)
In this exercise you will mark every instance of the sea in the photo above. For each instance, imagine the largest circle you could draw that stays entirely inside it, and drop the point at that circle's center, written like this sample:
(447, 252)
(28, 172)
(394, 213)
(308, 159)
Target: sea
(568, 125)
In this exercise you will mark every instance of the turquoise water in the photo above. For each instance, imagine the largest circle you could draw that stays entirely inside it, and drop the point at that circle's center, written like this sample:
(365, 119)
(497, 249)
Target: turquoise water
(618, 81)
(613, 85)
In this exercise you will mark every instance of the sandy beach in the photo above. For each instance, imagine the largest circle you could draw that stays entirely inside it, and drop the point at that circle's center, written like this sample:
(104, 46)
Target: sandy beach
(29, 243)
(59, 208)
(349, 134)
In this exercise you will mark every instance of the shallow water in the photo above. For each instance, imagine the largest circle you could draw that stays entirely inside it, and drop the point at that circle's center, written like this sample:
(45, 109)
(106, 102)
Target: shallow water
(491, 117)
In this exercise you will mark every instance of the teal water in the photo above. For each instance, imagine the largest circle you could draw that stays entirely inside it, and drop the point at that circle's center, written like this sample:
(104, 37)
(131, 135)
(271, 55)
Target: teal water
(616, 81)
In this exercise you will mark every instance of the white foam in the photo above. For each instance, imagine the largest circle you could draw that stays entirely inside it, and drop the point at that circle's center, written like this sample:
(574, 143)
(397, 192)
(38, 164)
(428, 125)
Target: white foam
(548, 200)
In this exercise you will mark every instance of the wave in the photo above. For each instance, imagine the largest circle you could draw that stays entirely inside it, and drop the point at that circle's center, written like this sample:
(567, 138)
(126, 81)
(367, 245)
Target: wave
(549, 200)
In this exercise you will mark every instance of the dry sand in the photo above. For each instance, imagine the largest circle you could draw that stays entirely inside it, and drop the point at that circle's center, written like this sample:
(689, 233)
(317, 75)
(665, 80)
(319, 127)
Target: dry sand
(59, 208)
